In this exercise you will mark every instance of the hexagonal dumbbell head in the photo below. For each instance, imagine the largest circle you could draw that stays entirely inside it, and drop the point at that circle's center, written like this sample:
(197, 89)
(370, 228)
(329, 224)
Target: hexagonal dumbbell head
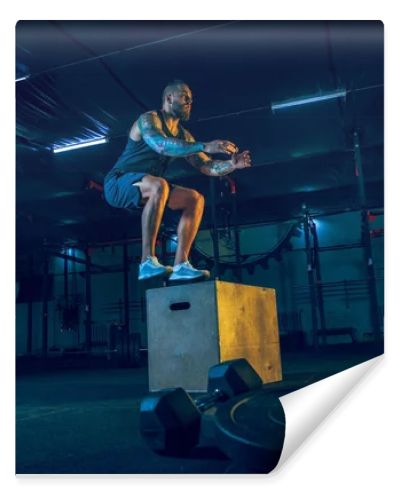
(170, 422)
(233, 377)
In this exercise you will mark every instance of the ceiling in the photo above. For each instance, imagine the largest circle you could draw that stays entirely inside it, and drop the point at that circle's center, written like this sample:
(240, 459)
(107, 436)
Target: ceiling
(90, 79)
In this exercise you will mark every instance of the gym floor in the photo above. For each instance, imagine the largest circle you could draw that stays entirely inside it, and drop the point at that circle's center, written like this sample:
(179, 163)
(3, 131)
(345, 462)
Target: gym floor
(85, 420)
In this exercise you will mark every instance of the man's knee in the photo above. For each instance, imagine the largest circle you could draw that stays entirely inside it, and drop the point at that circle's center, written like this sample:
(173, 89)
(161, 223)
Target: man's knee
(196, 199)
(199, 200)
(159, 187)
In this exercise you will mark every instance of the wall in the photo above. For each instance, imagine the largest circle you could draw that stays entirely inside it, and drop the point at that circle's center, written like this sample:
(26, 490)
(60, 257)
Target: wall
(343, 270)
(343, 273)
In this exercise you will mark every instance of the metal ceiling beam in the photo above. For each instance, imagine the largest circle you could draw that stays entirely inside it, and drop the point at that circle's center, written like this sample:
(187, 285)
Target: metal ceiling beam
(130, 49)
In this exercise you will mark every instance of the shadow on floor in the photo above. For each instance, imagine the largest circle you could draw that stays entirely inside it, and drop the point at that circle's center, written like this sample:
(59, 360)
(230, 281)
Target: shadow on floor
(86, 420)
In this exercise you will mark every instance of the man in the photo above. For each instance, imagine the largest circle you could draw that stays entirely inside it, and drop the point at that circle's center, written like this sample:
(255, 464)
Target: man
(137, 179)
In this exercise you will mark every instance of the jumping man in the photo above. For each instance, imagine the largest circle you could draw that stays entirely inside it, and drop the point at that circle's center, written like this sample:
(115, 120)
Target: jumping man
(137, 179)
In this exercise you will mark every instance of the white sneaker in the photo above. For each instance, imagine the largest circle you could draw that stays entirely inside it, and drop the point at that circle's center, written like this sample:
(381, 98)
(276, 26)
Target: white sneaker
(185, 272)
(151, 268)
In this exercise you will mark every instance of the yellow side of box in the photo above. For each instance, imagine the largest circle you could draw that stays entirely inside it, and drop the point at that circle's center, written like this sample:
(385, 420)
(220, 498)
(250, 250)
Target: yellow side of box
(248, 327)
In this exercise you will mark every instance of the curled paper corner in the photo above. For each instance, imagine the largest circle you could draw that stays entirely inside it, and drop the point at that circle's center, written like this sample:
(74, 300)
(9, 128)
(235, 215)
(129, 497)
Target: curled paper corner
(305, 409)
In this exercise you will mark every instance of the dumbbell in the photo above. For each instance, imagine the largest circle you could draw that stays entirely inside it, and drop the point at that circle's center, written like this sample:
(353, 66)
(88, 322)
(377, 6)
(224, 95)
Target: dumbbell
(170, 419)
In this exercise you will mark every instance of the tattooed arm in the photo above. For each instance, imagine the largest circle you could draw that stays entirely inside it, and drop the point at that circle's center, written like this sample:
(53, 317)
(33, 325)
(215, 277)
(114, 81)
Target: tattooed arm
(217, 168)
(152, 133)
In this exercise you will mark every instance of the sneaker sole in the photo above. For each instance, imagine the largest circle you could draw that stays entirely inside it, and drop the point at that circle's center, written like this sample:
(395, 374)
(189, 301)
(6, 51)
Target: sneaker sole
(189, 278)
(163, 274)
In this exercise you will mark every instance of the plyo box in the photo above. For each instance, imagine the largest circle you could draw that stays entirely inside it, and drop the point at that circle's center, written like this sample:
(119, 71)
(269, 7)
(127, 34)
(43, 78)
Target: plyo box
(192, 327)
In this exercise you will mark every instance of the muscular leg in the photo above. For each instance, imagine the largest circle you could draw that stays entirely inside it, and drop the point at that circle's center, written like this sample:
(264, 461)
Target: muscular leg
(154, 192)
(192, 204)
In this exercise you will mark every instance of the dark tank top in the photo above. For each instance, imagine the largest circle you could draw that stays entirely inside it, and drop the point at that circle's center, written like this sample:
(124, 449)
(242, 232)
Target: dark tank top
(139, 157)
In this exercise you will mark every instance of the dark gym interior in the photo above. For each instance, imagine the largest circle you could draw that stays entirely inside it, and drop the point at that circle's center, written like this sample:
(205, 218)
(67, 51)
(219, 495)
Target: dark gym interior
(307, 219)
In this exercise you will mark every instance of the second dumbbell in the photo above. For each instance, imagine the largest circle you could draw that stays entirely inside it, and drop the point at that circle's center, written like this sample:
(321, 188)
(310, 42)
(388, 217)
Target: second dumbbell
(170, 420)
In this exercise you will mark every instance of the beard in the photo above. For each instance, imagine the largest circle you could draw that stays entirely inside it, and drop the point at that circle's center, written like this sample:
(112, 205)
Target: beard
(185, 116)
(181, 112)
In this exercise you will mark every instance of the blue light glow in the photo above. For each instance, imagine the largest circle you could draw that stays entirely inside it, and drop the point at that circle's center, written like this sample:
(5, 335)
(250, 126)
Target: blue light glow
(78, 145)
(21, 78)
(308, 100)
(172, 243)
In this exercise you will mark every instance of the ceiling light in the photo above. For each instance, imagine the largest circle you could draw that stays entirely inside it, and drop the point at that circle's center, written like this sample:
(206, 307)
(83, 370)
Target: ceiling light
(21, 78)
(308, 99)
(78, 145)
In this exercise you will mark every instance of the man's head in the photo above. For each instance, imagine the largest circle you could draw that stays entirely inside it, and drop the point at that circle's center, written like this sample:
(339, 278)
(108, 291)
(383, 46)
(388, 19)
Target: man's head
(177, 99)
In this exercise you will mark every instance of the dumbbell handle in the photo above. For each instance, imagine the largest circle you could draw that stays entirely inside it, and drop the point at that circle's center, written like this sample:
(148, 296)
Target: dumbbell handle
(208, 400)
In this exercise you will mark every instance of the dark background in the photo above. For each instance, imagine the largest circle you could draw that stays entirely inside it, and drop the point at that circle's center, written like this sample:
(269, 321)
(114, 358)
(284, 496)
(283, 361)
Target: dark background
(94, 78)
(77, 404)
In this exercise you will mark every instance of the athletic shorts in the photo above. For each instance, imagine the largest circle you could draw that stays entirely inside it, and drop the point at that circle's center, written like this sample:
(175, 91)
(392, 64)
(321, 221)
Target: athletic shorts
(120, 192)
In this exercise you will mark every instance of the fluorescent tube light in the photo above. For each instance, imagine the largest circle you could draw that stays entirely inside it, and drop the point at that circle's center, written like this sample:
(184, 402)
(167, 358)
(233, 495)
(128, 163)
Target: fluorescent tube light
(22, 78)
(308, 100)
(78, 145)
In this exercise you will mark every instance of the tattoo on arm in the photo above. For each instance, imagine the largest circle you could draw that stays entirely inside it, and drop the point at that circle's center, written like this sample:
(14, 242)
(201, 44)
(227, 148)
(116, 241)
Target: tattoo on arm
(154, 136)
(220, 167)
(206, 165)
(211, 167)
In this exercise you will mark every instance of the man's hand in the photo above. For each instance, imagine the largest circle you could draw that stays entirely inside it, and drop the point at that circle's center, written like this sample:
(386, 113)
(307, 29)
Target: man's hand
(219, 146)
(241, 160)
